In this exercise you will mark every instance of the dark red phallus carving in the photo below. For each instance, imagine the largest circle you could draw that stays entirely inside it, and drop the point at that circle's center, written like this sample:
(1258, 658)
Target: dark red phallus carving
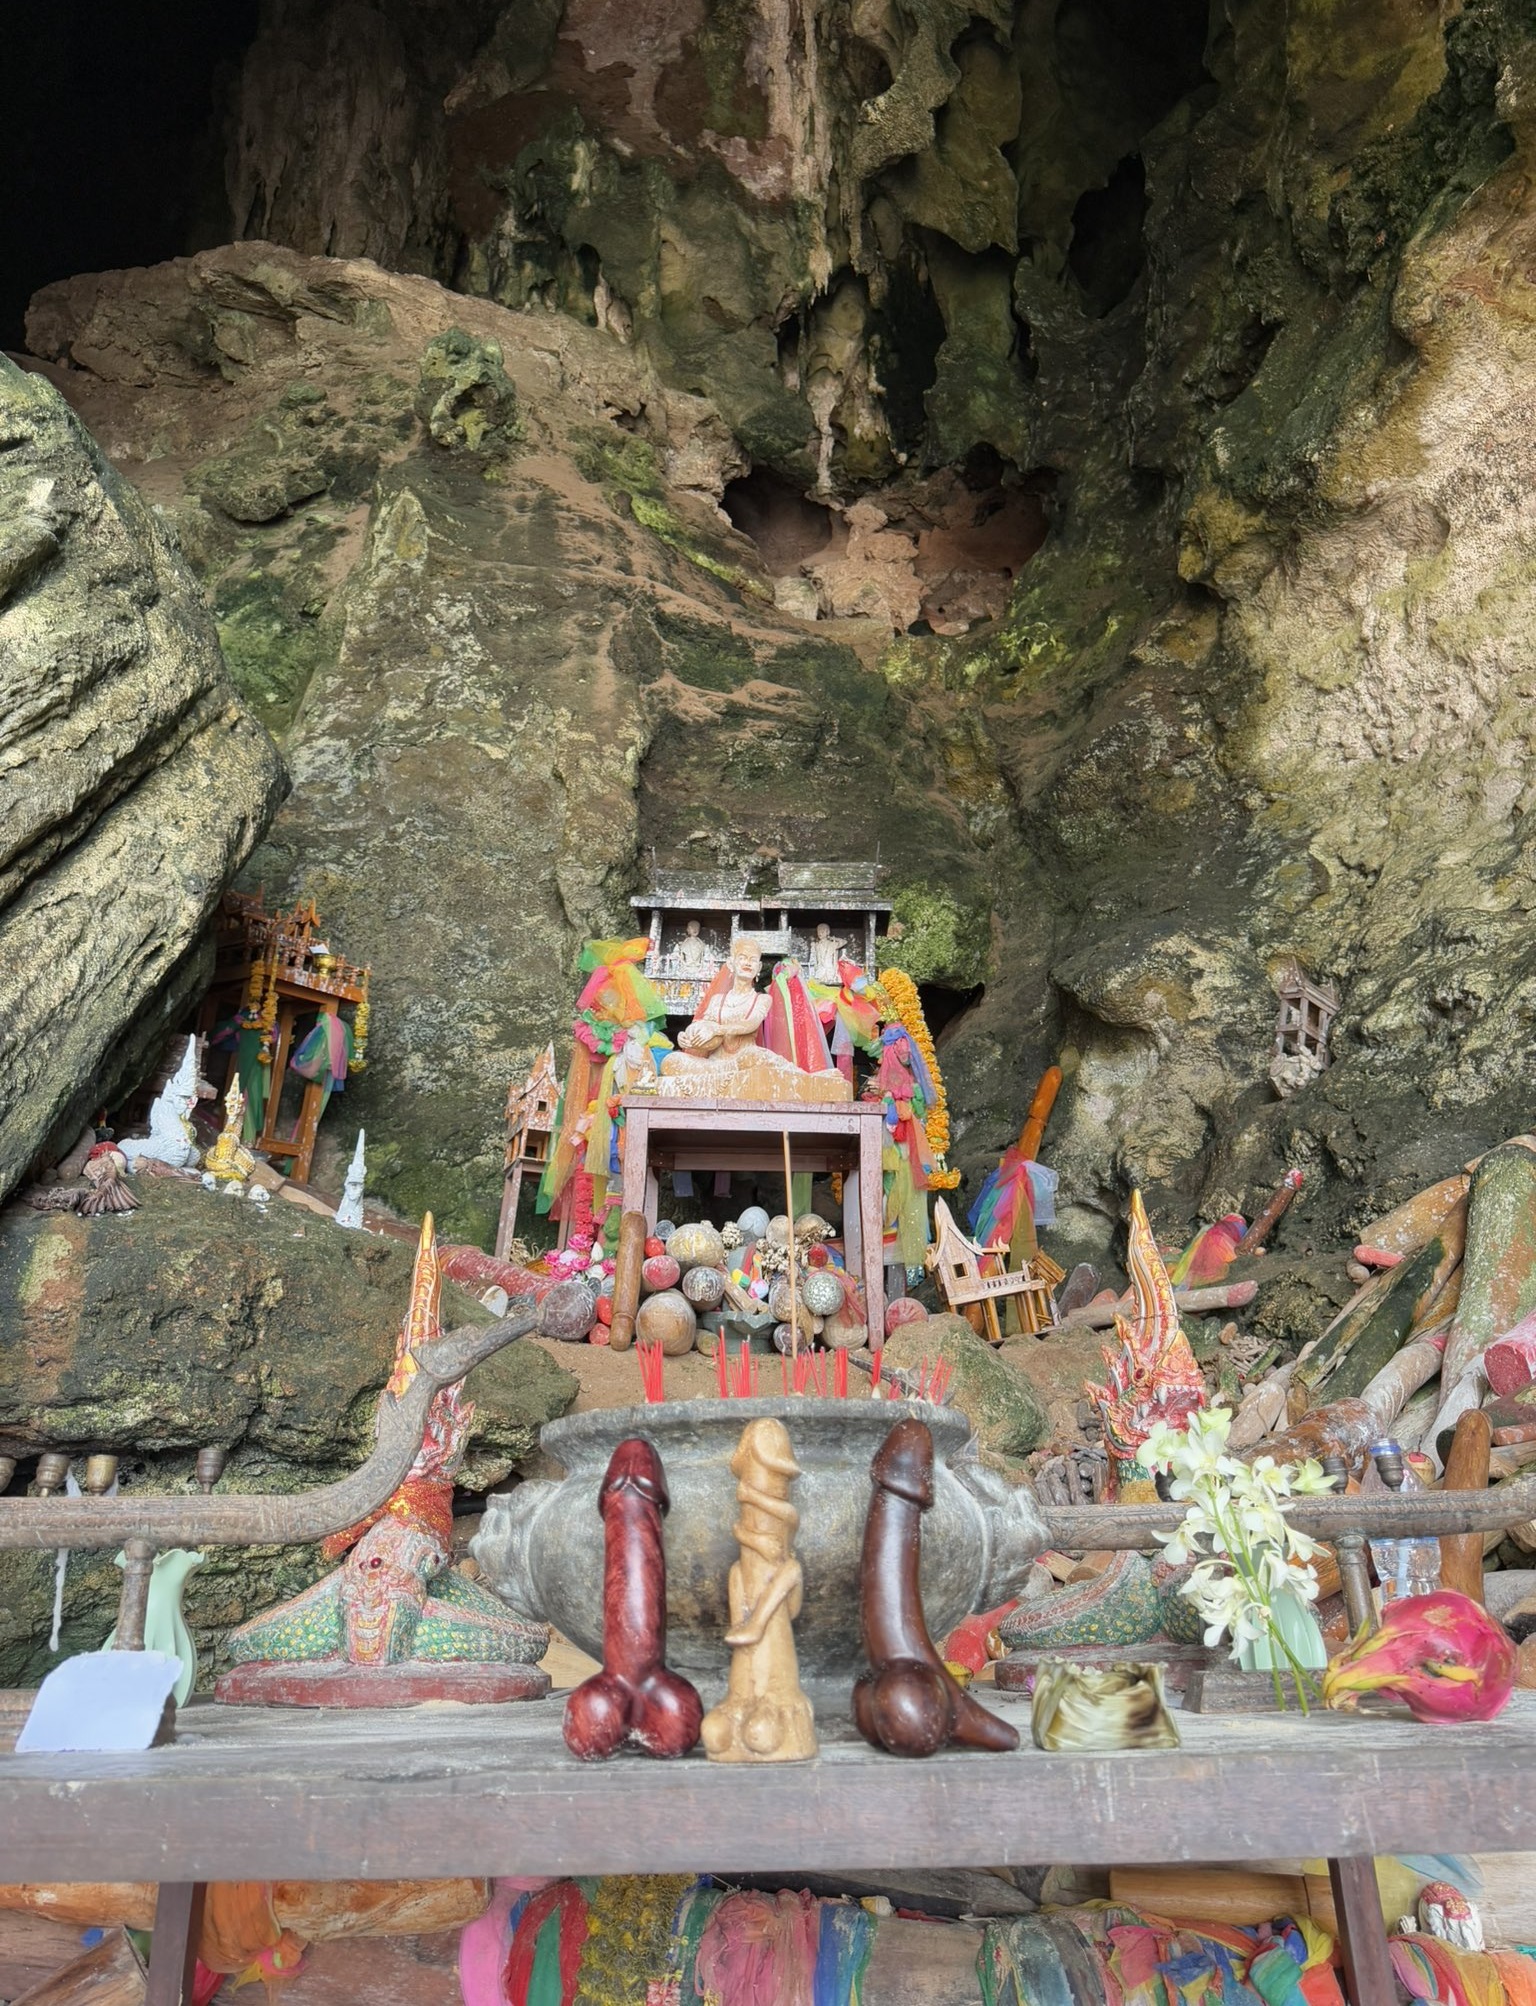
(634, 1698)
(907, 1702)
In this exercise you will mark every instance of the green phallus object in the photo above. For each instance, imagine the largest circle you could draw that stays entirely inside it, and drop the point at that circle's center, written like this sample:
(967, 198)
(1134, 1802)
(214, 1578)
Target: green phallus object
(165, 1628)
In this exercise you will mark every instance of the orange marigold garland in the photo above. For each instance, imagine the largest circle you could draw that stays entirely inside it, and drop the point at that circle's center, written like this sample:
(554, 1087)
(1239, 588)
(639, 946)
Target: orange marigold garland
(906, 1007)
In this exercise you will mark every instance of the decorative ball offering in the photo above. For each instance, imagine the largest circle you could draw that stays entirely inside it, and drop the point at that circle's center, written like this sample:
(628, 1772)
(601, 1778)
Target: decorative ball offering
(660, 1272)
(654, 1246)
(568, 1311)
(753, 1223)
(822, 1292)
(668, 1320)
(903, 1309)
(780, 1302)
(697, 1245)
(704, 1287)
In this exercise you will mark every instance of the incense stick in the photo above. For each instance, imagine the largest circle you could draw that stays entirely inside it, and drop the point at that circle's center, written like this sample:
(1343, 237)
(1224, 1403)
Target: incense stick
(794, 1288)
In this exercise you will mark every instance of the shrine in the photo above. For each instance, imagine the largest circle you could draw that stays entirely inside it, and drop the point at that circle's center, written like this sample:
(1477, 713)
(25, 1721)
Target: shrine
(275, 1006)
(822, 914)
(768, 1003)
(532, 1103)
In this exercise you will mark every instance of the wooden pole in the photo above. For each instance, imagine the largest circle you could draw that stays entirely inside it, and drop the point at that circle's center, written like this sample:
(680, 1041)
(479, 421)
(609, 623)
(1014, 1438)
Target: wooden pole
(1466, 1469)
(794, 1285)
(1222, 1295)
(1272, 1213)
(173, 1943)
(626, 1280)
(1033, 1132)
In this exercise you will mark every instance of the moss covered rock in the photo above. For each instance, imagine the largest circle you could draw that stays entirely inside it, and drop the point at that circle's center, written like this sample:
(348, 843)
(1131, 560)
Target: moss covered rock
(464, 396)
(135, 783)
(1006, 1412)
(197, 1321)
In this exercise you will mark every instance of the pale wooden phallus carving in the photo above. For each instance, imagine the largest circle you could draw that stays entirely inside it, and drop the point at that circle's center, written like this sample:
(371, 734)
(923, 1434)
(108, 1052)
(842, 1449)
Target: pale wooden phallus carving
(764, 1717)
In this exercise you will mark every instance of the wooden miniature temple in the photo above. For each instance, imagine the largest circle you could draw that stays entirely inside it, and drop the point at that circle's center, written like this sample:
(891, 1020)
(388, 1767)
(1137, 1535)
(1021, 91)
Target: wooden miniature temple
(532, 1104)
(275, 976)
(1305, 1017)
(822, 912)
(969, 1273)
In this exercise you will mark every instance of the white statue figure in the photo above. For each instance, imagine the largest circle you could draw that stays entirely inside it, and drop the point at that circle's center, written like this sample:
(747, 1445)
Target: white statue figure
(693, 952)
(350, 1211)
(635, 1071)
(826, 949)
(170, 1139)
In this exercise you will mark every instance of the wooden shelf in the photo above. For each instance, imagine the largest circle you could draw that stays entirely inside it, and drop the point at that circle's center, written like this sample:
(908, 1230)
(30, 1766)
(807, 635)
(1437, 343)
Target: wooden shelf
(253, 1794)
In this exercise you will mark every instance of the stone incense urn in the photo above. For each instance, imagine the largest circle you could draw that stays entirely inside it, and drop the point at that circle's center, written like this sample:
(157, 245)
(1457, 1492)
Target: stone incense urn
(540, 1547)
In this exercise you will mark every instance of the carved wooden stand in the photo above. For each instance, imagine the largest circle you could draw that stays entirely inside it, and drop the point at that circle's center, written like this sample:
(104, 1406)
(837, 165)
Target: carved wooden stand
(748, 1135)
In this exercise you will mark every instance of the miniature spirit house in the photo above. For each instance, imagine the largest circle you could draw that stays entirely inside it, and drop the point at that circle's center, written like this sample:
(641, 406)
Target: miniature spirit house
(276, 984)
(822, 914)
(531, 1107)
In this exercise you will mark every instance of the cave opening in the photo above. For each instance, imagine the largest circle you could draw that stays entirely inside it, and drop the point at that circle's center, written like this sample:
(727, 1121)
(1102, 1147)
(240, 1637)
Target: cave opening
(944, 1007)
(1108, 250)
(1158, 59)
(868, 72)
(787, 527)
(906, 334)
(111, 132)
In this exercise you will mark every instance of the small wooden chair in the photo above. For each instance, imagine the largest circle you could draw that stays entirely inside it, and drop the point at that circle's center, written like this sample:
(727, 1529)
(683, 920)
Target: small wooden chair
(957, 1262)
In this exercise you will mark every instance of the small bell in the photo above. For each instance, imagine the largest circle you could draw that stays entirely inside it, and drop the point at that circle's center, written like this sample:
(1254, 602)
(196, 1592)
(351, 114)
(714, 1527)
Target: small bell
(210, 1467)
(7, 1470)
(52, 1469)
(100, 1475)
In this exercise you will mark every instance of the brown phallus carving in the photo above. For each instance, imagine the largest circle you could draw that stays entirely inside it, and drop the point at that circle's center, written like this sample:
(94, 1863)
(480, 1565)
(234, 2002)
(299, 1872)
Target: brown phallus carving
(907, 1702)
(634, 1698)
(626, 1280)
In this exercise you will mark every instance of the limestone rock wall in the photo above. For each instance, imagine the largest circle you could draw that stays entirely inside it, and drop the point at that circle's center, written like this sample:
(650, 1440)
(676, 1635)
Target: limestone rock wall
(505, 653)
(1209, 322)
(133, 782)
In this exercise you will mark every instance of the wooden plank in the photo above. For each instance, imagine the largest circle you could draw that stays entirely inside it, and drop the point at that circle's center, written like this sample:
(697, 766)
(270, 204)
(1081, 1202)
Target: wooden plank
(383, 1970)
(1209, 1894)
(31, 1949)
(246, 1794)
(109, 1974)
(173, 1943)
(1368, 1977)
(1224, 1689)
(920, 1964)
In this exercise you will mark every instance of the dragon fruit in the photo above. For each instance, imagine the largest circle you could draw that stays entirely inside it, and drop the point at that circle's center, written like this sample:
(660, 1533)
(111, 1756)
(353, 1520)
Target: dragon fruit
(1443, 1655)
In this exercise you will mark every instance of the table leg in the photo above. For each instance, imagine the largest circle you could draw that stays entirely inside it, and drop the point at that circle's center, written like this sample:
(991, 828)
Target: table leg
(1368, 1977)
(637, 1152)
(173, 1944)
(871, 1205)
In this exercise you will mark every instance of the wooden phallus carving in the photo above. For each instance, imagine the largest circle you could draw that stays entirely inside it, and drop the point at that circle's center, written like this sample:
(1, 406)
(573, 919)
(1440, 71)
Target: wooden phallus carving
(634, 1699)
(764, 1717)
(908, 1703)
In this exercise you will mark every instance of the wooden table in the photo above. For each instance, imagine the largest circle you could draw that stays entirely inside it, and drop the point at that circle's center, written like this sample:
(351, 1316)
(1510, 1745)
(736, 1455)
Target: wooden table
(248, 1794)
(665, 1134)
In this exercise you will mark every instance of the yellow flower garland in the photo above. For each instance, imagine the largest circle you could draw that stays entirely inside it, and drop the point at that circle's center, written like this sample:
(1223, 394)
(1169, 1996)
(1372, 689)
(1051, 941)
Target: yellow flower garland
(906, 1006)
(360, 1027)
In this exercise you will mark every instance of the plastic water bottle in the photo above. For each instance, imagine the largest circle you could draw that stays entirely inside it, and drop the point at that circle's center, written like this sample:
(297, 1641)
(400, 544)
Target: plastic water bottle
(1403, 1566)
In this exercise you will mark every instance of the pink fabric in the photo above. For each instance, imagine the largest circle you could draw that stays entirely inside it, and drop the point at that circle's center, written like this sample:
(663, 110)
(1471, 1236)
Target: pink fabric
(484, 1943)
(760, 1950)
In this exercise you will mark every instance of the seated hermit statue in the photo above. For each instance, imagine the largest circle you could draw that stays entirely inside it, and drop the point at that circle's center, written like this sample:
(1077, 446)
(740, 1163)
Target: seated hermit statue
(750, 1044)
